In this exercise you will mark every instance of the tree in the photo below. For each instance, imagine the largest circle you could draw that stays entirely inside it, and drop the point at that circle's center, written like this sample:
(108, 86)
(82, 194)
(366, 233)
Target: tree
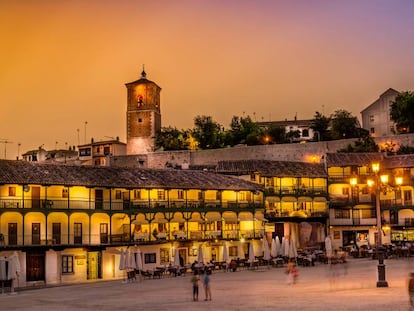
(363, 144)
(405, 149)
(208, 133)
(402, 112)
(291, 136)
(171, 139)
(243, 131)
(277, 134)
(344, 125)
(320, 125)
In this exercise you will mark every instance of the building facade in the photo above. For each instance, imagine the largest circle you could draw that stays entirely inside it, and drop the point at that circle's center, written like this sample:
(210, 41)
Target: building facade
(296, 197)
(376, 117)
(98, 153)
(70, 223)
(352, 191)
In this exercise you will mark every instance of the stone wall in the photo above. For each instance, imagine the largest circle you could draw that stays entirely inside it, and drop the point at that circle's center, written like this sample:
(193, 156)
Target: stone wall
(307, 152)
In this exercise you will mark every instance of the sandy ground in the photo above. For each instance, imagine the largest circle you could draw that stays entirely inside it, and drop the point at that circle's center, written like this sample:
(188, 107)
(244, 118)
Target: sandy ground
(323, 287)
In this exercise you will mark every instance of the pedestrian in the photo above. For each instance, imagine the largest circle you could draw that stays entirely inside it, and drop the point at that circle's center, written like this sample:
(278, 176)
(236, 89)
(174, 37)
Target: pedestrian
(194, 280)
(411, 290)
(206, 283)
(292, 272)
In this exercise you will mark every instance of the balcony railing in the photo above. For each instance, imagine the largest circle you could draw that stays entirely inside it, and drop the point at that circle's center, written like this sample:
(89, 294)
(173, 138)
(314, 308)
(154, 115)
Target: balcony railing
(107, 205)
(122, 238)
(294, 191)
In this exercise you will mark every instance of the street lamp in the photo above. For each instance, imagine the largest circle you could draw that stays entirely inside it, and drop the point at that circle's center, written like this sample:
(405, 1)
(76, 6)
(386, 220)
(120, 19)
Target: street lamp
(381, 185)
(380, 255)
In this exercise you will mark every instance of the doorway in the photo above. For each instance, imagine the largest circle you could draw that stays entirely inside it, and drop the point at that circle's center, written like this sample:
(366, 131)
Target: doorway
(35, 266)
(94, 266)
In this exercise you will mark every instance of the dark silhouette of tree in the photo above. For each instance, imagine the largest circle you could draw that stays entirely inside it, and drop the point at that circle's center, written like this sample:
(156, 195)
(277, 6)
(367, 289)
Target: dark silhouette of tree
(402, 112)
(208, 133)
(170, 138)
(277, 134)
(364, 144)
(243, 131)
(292, 136)
(404, 149)
(320, 126)
(344, 125)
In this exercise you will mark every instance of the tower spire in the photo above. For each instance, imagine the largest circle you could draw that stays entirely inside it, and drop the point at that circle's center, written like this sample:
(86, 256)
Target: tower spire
(143, 73)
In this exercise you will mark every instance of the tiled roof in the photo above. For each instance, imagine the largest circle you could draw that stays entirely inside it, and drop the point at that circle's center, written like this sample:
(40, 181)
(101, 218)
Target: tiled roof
(21, 172)
(399, 161)
(354, 159)
(272, 168)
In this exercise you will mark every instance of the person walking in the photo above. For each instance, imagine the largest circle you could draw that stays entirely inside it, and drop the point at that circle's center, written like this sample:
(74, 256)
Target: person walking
(411, 290)
(194, 280)
(292, 272)
(206, 283)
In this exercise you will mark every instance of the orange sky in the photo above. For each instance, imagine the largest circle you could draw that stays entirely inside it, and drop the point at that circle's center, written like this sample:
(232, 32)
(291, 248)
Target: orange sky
(64, 63)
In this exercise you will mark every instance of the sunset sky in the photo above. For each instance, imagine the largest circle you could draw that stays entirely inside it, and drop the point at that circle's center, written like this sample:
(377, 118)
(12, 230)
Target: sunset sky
(64, 63)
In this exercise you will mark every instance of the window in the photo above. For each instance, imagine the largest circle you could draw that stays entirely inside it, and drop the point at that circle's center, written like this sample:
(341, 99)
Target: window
(118, 194)
(56, 232)
(67, 264)
(367, 213)
(345, 191)
(201, 195)
(137, 194)
(65, 193)
(218, 195)
(372, 130)
(164, 255)
(77, 233)
(150, 258)
(305, 133)
(107, 150)
(180, 194)
(83, 152)
(161, 194)
(233, 251)
(12, 191)
(407, 195)
(371, 118)
(342, 214)
(139, 120)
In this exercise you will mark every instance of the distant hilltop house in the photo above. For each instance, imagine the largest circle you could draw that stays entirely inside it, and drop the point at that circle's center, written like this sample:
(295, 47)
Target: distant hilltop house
(59, 156)
(376, 117)
(97, 152)
(301, 126)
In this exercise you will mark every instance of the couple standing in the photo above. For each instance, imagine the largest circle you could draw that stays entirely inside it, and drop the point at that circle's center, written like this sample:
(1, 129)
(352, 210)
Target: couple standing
(206, 283)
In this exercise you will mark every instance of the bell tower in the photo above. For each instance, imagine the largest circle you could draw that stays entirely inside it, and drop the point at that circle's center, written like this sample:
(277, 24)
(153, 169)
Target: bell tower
(143, 115)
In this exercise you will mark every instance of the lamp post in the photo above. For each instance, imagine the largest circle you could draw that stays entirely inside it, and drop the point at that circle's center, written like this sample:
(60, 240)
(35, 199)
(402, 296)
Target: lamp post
(380, 255)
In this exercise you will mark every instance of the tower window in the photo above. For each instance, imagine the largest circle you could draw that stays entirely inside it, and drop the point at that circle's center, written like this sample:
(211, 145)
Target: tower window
(139, 120)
